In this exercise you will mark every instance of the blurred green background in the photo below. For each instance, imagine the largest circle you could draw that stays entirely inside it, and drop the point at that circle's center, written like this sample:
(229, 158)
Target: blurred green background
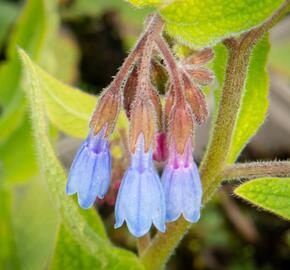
(83, 43)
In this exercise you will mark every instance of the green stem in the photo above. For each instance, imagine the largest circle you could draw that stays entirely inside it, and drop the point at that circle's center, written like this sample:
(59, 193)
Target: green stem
(256, 170)
(162, 246)
(143, 243)
(219, 146)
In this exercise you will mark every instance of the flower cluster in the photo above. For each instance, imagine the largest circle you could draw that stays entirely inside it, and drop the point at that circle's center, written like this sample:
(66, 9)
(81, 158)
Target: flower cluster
(156, 133)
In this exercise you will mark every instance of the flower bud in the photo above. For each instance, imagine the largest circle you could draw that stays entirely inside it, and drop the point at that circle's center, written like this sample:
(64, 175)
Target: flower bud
(155, 99)
(169, 102)
(201, 75)
(130, 90)
(106, 112)
(195, 99)
(200, 57)
(180, 127)
(142, 120)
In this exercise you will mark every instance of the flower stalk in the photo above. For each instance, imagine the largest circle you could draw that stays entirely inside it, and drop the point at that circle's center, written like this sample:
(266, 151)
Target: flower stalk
(256, 170)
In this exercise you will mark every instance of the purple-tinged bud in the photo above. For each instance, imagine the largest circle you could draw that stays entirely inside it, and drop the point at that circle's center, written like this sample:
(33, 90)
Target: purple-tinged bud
(182, 186)
(195, 99)
(161, 150)
(200, 57)
(106, 111)
(140, 201)
(181, 126)
(90, 171)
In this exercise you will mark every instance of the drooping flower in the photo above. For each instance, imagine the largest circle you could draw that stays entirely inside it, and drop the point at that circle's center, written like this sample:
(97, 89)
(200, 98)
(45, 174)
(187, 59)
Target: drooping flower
(182, 186)
(90, 171)
(140, 200)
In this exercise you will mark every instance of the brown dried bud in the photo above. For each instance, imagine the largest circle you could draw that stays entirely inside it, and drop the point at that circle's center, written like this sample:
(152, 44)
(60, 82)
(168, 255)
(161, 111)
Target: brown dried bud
(130, 90)
(181, 127)
(201, 75)
(142, 120)
(106, 112)
(200, 57)
(195, 99)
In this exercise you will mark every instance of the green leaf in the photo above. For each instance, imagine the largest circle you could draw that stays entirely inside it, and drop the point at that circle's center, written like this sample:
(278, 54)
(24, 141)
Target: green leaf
(272, 194)
(143, 3)
(35, 224)
(254, 103)
(205, 23)
(95, 8)
(8, 13)
(33, 37)
(68, 108)
(16, 142)
(17, 155)
(64, 68)
(96, 244)
(8, 255)
(11, 99)
(69, 254)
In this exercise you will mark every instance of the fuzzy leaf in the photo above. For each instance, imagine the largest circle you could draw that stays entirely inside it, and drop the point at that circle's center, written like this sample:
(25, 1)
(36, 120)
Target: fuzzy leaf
(67, 249)
(17, 155)
(143, 3)
(35, 224)
(8, 13)
(272, 194)
(16, 148)
(203, 23)
(8, 254)
(68, 108)
(33, 38)
(93, 242)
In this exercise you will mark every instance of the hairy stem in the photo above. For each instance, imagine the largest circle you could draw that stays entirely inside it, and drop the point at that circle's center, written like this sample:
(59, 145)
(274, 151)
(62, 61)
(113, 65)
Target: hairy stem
(155, 25)
(172, 67)
(144, 68)
(256, 170)
(162, 246)
(217, 154)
